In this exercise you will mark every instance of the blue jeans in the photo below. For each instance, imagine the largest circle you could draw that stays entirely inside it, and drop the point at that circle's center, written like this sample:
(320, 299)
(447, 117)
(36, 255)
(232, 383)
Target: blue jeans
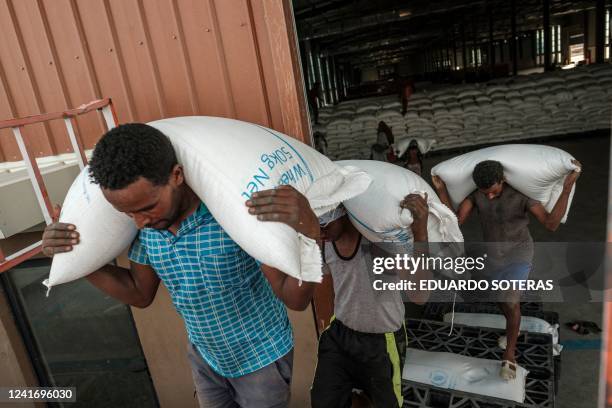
(268, 387)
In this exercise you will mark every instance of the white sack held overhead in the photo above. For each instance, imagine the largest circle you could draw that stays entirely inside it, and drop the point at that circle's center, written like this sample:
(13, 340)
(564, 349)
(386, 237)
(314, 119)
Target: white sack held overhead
(227, 160)
(535, 170)
(496, 321)
(377, 215)
(463, 373)
(104, 232)
(424, 145)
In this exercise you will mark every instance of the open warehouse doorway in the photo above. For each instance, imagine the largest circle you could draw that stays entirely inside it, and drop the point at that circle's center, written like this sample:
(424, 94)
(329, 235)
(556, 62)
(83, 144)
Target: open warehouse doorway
(468, 59)
(457, 76)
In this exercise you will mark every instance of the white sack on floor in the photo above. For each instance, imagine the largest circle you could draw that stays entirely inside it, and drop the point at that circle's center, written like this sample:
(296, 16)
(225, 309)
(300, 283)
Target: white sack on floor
(463, 373)
(497, 321)
(537, 171)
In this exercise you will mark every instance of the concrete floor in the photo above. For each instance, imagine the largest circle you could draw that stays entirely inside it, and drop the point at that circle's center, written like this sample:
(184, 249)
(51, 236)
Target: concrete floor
(578, 386)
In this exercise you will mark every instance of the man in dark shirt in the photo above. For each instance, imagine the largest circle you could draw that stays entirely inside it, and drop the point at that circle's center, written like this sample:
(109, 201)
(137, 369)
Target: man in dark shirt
(504, 219)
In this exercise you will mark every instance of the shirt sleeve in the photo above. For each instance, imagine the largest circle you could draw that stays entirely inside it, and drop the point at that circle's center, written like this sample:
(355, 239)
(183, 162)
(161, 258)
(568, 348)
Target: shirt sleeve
(138, 252)
(529, 202)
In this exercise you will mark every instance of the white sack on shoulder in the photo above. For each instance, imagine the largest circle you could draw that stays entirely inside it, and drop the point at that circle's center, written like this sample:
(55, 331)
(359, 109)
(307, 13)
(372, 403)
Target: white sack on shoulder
(227, 160)
(377, 215)
(104, 232)
(537, 171)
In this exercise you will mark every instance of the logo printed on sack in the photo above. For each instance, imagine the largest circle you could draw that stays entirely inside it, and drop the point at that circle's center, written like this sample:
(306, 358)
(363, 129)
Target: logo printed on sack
(292, 148)
(278, 157)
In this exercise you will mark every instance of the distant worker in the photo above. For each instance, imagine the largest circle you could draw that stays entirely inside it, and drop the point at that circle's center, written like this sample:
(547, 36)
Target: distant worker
(406, 92)
(314, 98)
(384, 139)
(413, 158)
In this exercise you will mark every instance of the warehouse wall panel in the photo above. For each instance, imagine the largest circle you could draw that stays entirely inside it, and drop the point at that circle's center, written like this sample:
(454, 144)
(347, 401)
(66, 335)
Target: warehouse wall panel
(242, 59)
(206, 57)
(73, 73)
(40, 66)
(155, 59)
(19, 85)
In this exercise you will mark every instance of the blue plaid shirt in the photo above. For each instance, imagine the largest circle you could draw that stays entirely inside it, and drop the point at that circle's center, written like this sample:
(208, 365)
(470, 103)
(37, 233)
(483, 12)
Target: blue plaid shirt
(231, 313)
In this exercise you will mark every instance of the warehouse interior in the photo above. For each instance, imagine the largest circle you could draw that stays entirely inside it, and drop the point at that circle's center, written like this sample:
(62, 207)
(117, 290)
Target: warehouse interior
(480, 73)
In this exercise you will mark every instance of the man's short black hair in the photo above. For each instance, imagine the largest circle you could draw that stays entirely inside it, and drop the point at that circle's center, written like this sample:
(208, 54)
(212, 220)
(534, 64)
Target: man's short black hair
(129, 152)
(487, 173)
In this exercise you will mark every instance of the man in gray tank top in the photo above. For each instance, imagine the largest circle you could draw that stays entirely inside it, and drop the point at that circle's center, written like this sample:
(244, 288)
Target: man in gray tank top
(504, 217)
(365, 344)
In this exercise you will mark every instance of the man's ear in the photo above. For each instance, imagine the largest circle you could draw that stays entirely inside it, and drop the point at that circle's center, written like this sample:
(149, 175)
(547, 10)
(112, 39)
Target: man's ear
(178, 176)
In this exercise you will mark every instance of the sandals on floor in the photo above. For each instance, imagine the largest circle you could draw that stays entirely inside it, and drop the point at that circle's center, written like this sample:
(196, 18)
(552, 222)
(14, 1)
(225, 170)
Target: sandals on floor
(508, 370)
(583, 327)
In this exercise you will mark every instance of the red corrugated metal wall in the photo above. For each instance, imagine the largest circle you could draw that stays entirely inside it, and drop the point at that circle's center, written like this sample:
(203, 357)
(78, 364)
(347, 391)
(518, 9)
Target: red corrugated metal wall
(154, 58)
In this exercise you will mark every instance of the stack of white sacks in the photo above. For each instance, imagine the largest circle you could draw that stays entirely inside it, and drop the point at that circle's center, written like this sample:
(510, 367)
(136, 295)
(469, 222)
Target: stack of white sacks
(524, 107)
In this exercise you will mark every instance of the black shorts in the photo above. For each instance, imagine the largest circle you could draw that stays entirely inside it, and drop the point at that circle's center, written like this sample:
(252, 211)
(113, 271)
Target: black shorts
(350, 359)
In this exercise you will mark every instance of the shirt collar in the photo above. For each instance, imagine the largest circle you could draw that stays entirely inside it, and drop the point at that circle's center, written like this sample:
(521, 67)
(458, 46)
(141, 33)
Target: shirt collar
(198, 217)
(195, 219)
